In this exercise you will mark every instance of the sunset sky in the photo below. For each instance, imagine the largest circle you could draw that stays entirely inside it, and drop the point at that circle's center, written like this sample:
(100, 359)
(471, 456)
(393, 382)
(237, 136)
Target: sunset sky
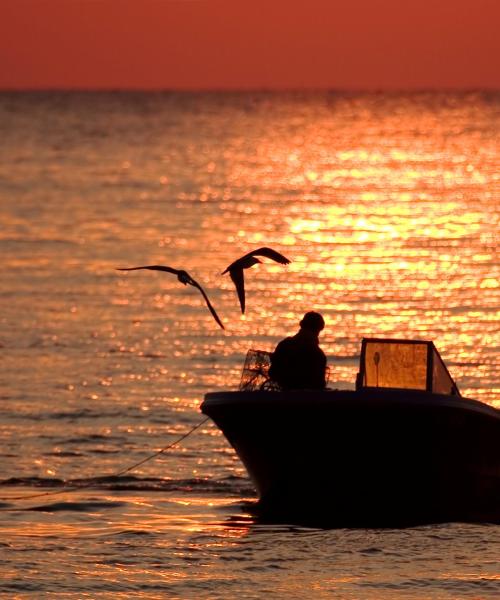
(231, 44)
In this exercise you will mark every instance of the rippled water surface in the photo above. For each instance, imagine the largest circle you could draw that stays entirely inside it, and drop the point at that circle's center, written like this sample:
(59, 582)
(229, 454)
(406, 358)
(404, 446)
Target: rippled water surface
(388, 207)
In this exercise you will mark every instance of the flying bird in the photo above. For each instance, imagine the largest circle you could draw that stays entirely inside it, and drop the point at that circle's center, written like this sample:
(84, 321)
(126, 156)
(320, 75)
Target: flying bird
(236, 268)
(185, 278)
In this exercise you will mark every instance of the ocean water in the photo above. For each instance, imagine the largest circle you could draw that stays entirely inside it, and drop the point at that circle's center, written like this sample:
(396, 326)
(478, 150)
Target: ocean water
(388, 207)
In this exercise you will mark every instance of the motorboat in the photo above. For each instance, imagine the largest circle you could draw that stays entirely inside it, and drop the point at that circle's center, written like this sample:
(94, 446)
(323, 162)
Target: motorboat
(402, 448)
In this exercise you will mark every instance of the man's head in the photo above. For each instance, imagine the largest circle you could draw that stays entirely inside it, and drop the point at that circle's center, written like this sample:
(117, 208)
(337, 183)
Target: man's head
(312, 321)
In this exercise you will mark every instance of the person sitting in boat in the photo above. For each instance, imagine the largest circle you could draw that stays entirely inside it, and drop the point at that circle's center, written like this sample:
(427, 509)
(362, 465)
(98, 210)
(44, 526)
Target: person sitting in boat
(298, 362)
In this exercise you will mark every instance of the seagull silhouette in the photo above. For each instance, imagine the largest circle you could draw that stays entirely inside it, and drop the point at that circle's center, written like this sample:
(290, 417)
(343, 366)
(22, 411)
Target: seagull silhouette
(185, 278)
(236, 268)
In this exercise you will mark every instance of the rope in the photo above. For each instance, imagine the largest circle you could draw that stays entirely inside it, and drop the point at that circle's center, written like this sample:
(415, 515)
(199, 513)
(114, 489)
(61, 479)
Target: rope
(75, 487)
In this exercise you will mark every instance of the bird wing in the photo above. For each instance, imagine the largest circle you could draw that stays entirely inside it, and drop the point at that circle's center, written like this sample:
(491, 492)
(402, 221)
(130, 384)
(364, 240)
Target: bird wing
(210, 307)
(239, 281)
(267, 252)
(189, 280)
(270, 253)
(152, 268)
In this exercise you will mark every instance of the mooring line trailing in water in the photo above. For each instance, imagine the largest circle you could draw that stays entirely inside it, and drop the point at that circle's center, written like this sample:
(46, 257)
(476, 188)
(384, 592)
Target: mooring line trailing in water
(73, 488)
(178, 441)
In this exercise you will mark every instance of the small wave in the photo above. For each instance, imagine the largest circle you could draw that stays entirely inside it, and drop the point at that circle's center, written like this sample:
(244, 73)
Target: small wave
(232, 485)
(33, 481)
(129, 533)
(136, 353)
(15, 240)
(85, 413)
(228, 486)
(46, 343)
(457, 363)
(371, 550)
(457, 585)
(73, 415)
(62, 454)
(347, 358)
(94, 437)
(80, 506)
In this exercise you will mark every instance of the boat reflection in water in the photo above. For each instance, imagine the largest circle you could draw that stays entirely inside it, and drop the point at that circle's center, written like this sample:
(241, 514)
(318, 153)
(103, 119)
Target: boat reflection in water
(403, 448)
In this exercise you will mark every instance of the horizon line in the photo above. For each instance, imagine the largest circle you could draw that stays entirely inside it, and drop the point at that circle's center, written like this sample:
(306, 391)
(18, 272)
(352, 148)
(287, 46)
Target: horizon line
(245, 90)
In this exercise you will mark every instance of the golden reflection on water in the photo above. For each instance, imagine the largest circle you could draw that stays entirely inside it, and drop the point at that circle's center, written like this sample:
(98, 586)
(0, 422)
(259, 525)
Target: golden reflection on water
(394, 230)
(387, 207)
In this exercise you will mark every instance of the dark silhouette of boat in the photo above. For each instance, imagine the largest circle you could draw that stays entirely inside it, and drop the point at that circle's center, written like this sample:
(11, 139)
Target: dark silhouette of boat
(404, 448)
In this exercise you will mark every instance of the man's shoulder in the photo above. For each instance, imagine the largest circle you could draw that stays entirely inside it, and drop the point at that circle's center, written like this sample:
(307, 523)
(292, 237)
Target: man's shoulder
(284, 343)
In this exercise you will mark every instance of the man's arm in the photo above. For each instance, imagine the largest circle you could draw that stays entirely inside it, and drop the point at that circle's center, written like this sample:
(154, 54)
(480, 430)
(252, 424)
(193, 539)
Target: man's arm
(321, 374)
(278, 362)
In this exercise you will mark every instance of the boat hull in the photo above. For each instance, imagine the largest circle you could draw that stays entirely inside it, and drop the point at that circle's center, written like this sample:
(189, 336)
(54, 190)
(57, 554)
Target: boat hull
(365, 458)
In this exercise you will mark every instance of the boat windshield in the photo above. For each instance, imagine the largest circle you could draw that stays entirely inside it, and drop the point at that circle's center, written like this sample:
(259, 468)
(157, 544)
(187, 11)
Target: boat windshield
(406, 364)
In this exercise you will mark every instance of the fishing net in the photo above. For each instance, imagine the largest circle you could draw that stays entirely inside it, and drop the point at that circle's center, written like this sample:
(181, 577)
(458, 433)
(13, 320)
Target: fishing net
(255, 375)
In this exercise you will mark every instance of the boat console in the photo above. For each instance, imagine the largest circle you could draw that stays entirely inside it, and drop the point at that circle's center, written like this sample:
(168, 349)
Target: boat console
(403, 364)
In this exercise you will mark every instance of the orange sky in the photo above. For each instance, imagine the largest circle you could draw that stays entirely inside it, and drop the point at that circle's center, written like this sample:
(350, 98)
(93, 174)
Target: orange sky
(237, 44)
